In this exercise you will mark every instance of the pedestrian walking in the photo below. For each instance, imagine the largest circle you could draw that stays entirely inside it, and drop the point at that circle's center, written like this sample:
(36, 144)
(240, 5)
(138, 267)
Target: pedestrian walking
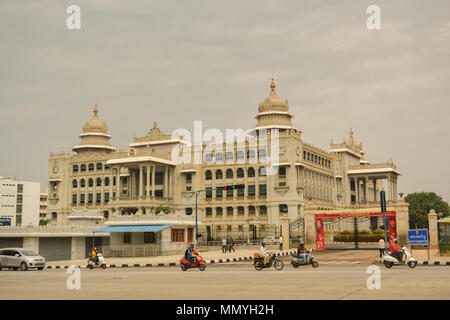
(281, 242)
(381, 247)
(231, 246)
(224, 245)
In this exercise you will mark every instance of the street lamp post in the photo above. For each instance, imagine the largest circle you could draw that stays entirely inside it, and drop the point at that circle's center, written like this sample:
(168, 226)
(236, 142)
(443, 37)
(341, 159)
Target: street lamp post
(383, 209)
(196, 216)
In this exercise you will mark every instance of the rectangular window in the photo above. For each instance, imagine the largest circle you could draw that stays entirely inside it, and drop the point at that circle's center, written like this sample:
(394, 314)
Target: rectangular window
(107, 167)
(127, 237)
(219, 193)
(19, 208)
(190, 234)
(18, 220)
(20, 188)
(219, 156)
(283, 208)
(20, 198)
(177, 235)
(262, 189)
(208, 193)
(91, 167)
(82, 196)
(188, 177)
(240, 192)
(262, 210)
(106, 196)
(149, 237)
(229, 193)
(98, 198)
(282, 172)
(74, 199)
(251, 190)
(99, 166)
(90, 198)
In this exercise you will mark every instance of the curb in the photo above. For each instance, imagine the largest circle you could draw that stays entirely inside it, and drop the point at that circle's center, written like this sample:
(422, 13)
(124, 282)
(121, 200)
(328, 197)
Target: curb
(170, 264)
(425, 263)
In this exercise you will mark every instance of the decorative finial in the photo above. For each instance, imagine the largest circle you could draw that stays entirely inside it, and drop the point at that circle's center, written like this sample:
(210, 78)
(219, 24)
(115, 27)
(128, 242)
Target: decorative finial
(95, 111)
(351, 133)
(155, 125)
(272, 86)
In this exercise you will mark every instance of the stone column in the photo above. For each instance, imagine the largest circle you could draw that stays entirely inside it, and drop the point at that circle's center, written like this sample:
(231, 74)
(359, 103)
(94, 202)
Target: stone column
(153, 181)
(166, 181)
(78, 248)
(148, 181)
(141, 181)
(31, 243)
(310, 232)
(118, 182)
(375, 190)
(366, 191)
(433, 230)
(402, 221)
(356, 190)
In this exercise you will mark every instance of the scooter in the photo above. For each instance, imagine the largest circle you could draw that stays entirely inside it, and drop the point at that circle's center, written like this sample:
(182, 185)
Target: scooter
(101, 262)
(296, 261)
(259, 262)
(389, 260)
(199, 262)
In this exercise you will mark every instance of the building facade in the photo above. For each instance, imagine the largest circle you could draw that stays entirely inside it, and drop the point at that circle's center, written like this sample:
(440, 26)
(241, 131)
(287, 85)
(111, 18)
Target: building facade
(145, 180)
(19, 202)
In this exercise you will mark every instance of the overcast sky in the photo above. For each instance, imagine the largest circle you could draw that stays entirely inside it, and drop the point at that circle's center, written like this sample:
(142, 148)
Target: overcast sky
(179, 61)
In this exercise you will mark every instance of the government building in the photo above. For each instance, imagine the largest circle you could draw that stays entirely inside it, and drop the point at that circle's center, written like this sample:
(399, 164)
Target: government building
(144, 186)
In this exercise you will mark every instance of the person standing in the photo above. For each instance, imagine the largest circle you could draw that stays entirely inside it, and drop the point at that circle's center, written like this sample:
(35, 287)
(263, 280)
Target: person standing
(381, 247)
(281, 242)
(231, 246)
(224, 245)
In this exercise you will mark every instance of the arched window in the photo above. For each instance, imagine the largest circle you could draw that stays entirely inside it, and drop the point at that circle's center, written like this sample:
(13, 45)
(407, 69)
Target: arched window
(91, 182)
(251, 172)
(251, 210)
(106, 181)
(91, 167)
(82, 183)
(262, 171)
(75, 168)
(240, 173)
(74, 183)
(208, 175)
(99, 182)
(99, 166)
(229, 174)
(83, 167)
(219, 174)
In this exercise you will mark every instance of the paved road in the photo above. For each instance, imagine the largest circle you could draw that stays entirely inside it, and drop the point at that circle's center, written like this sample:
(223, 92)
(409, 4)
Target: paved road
(231, 281)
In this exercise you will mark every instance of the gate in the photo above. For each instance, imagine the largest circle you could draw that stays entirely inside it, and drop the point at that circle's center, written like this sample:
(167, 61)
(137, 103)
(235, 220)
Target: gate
(351, 230)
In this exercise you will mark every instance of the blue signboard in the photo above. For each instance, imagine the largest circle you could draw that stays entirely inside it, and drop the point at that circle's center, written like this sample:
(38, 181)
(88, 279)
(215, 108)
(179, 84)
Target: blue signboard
(418, 236)
(5, 221)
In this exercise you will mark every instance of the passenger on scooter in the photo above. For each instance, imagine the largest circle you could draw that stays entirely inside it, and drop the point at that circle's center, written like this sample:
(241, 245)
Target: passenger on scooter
(263, 253)
(189, 254)
(93, 256)
(302, 253)
(396, 252)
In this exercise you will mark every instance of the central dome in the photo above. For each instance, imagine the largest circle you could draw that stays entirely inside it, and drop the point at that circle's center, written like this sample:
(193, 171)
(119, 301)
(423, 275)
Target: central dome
(95, 125)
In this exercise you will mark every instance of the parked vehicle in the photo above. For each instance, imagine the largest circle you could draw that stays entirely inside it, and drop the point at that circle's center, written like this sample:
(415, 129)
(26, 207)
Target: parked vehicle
(296, 261)
(271, 240)
(199, 262)
(19, 258)
(101, 262)
(259, 262)
(389, 260)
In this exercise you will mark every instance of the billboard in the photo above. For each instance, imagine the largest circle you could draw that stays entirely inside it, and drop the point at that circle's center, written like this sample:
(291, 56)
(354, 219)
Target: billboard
(5, 221)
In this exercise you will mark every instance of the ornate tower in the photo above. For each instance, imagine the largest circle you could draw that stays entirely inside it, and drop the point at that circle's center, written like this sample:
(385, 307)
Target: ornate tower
(95, 137)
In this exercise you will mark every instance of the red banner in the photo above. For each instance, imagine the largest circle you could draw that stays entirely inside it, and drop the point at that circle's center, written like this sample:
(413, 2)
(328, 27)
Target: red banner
(320, 242)
(392, 231)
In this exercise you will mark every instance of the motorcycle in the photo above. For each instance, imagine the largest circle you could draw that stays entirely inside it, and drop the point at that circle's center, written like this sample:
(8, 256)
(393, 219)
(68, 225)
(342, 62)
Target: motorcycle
(101, 262)
(259, 262)
(199, 262)
(296, 261)
(390, 260)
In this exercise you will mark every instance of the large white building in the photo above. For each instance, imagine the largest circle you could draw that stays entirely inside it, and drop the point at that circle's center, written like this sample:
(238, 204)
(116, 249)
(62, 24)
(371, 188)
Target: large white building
(135, 184)
(19, 202)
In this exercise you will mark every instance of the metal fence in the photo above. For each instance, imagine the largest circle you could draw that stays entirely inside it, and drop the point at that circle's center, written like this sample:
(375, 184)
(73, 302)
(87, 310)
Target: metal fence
(444, 246)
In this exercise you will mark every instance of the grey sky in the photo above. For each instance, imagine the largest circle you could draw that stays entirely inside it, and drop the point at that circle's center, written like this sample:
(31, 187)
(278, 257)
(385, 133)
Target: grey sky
(180, 61)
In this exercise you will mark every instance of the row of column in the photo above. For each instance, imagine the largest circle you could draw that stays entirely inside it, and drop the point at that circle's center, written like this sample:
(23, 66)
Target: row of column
(136, 181)
(391, 192)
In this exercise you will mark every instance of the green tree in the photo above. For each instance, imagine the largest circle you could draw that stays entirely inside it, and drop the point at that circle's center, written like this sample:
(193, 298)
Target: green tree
(43, 222)
(165, 210)
(420, 203)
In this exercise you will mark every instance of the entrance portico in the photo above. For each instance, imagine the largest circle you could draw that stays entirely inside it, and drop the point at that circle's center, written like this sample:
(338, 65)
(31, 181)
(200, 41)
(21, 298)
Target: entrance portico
(142, 184)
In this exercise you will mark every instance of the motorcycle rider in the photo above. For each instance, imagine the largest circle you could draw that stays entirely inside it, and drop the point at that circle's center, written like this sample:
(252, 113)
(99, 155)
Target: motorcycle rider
(263, 253)
(396, 252)
(189, 254)
(302, 253)
(93, 256)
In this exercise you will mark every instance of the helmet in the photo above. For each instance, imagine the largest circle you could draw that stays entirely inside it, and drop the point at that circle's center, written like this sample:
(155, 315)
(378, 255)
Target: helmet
(263, 243)
(395, 239)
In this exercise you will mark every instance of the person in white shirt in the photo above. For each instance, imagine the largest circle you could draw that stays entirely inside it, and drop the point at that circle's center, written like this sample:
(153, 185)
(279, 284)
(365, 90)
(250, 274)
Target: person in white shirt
(263, 253)
(381, 247)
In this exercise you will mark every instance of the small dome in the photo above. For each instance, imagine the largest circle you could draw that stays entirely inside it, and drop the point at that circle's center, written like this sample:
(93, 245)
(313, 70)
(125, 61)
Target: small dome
(95, 125)
(273, 102)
